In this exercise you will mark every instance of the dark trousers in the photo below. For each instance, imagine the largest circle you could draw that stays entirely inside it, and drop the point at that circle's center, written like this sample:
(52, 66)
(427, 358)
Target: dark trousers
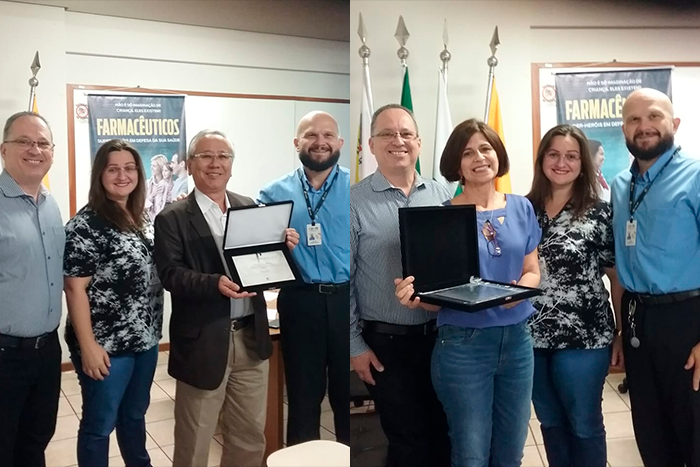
(412, 417)
(30, 384)
(665, 409)
(315, 334)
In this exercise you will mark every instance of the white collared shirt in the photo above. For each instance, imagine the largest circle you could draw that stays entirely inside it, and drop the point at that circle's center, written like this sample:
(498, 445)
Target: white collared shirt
(216, 220)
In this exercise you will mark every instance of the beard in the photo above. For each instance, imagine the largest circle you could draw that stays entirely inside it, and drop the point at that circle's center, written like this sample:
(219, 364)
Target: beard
(664, 144)
(316, 165)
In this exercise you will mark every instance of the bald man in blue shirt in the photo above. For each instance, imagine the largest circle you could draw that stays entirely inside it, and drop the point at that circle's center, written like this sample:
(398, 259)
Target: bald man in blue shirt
(314, 318)
(656, 223)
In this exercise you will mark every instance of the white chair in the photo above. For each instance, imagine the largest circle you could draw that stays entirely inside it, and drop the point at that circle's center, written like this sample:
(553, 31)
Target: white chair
(311, 454)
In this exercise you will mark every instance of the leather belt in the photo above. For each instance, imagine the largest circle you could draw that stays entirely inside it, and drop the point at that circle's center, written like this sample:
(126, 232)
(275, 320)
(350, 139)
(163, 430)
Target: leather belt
(426, 329)
(327, 289)
(25, 342)
(666, 299)
(240, 323)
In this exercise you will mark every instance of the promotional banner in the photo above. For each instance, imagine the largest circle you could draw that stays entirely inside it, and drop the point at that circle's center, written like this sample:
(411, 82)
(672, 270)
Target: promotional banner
(155, 126)
(593, 102)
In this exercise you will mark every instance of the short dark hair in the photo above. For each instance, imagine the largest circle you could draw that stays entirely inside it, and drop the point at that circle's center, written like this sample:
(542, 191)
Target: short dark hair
(585, 189)
(387, 107)
(17, 116)
(105, 207)
(593, 146)
(181, 156)
(451, 160)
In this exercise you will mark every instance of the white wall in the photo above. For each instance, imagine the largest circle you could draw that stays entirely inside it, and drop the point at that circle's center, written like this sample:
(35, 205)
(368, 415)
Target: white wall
(530, 32)
(24, 29)
(87, 49)
(124, 52)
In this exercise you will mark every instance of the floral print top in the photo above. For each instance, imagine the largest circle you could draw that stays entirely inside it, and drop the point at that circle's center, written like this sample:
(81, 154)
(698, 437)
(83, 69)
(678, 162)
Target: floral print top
(574, 311)
(125, 295)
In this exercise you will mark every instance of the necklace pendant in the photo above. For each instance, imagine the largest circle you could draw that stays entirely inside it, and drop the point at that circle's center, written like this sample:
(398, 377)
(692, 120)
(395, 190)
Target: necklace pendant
(634, 342)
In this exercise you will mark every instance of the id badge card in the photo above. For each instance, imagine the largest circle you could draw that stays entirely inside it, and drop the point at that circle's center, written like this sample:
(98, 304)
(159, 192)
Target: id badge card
(313, 234)
(631, 232)
(153, 279)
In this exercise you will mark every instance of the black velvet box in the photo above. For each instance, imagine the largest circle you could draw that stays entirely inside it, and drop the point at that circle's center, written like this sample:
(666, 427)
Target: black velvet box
(255, 249)
(439, 248)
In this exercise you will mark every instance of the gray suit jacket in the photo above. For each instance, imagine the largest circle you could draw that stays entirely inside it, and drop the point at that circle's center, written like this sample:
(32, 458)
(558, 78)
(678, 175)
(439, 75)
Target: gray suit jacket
(189, 266)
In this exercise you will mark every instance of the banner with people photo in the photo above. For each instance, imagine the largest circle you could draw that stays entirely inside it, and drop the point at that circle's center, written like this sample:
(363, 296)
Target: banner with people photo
(593, 102)
(155, 126)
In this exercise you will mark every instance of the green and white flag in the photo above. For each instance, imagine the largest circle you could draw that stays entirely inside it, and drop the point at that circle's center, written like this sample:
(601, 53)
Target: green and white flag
(407, 102)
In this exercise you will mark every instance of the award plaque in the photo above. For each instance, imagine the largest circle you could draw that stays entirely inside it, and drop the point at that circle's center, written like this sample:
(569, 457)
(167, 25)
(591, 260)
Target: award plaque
(255, 249)
(439, 248)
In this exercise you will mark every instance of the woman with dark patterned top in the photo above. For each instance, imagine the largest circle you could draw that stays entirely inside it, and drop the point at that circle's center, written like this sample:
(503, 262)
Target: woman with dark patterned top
(115, 307)
(573, 329)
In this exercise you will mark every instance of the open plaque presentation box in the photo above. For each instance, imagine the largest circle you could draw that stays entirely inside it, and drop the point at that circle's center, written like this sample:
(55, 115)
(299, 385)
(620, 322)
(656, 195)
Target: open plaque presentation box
(255, 249)
(439, 248)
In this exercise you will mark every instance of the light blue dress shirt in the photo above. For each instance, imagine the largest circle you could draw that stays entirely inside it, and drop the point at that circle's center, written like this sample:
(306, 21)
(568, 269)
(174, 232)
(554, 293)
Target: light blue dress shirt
(330, 261)
(666, 257)
(32, 241)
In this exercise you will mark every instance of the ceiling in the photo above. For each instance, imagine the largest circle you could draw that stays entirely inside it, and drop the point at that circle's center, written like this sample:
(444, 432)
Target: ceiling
(318, 19)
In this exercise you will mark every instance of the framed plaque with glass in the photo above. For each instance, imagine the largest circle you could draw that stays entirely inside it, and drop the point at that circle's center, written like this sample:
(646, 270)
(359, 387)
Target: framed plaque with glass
(439, 248)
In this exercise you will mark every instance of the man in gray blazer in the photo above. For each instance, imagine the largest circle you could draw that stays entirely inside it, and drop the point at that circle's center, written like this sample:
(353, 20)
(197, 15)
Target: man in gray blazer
(219, 339)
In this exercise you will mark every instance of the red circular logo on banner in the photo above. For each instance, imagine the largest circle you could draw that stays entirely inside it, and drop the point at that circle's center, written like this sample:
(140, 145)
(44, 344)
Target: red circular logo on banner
(81, 111)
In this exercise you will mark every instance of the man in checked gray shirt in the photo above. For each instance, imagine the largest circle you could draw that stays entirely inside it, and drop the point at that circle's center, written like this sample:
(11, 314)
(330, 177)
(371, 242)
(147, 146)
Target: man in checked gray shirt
(31, 283)
(391, 345)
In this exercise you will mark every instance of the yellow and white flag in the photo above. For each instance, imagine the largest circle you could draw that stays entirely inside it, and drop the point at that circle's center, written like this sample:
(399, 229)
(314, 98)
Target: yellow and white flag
(35, 109)
(365, 163)
(495, 122)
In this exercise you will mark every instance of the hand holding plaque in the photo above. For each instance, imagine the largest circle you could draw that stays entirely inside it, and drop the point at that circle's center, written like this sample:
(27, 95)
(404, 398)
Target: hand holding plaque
(440, 256)
(257, 244)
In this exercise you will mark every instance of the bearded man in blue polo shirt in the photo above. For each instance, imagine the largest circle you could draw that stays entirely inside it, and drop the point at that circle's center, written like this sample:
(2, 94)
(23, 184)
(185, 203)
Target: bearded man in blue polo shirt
(656, 224)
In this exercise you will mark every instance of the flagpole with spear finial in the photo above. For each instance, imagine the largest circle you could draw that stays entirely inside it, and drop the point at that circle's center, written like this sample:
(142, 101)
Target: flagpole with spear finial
(443, 120)
(402, 36)
(365, 163)
(492, 63)
(364, 51)
(33, 81)
(445, 55)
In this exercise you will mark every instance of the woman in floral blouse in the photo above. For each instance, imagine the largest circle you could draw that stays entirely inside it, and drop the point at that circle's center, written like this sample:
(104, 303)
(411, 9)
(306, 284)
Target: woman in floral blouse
(115, 307)
(573, 329)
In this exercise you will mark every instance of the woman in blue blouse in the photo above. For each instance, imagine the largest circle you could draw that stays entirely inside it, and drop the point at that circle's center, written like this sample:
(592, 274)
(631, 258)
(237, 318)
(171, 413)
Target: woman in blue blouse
(482, 365)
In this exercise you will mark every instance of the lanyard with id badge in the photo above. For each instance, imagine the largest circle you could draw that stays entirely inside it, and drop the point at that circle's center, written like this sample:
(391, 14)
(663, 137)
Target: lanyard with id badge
(631, 240)
(631, 225)
(313, 230)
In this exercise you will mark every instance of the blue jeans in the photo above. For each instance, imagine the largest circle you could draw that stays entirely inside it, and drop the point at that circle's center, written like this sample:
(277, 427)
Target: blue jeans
(567, 396)
(120, 400)
(483, 377)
